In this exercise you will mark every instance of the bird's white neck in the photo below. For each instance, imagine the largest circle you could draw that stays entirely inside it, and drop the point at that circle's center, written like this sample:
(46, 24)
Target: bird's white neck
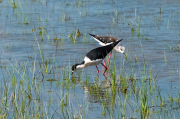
(80, 66)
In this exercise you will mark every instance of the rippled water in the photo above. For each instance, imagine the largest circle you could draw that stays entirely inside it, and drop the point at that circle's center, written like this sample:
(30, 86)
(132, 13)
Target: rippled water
(30, 30)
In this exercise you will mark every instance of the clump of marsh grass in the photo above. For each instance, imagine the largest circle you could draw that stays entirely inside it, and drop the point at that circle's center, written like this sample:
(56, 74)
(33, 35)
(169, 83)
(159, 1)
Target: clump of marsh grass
(14, 5)
(41, 31)
(25, 20)
(132, 30)
(114, 77)
(73, 35)
(165, 57)
(174, 48)
(136, 27)
(55, 36)
(117, 15)
(84, 38)
(144, 104)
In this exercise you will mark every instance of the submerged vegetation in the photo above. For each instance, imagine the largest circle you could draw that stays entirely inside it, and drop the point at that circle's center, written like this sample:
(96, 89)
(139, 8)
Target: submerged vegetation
(42, 39)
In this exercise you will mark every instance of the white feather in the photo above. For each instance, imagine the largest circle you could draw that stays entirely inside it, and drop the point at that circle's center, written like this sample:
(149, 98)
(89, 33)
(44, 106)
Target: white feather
(101, 43)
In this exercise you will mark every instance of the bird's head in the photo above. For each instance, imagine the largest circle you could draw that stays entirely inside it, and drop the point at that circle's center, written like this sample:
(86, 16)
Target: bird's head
(120, 49)
(74, 67)
(77, 66)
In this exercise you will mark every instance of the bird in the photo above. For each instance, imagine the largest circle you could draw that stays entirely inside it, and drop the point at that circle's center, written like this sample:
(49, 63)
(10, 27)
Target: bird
(95, 57)
(106, 40)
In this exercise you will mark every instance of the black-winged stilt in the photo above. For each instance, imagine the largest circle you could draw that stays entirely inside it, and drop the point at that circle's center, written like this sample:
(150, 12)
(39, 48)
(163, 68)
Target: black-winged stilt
(95, 57)
(106, 40)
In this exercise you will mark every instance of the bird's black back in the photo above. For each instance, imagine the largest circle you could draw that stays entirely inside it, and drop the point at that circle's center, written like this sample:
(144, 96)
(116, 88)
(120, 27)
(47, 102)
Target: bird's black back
(101, 52)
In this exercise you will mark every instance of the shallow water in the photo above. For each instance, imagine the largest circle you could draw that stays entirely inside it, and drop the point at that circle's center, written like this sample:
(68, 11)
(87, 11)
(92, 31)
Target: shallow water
(31, 53)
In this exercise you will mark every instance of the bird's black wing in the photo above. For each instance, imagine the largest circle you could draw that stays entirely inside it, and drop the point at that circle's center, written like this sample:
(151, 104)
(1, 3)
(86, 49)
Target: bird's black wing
(98, 53)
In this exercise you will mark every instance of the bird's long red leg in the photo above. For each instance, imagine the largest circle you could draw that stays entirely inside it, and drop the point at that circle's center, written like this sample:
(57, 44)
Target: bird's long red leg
(109, 56)
(108, 59)
(105, 68)
(97, 71)
(104, 62)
